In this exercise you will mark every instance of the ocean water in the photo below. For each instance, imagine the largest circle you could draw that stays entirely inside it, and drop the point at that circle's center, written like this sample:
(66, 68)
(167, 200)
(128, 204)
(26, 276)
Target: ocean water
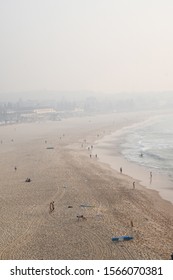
(151, 145)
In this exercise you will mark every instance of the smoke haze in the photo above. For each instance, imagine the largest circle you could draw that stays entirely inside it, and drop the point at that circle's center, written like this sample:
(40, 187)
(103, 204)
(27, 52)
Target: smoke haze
(104, 46)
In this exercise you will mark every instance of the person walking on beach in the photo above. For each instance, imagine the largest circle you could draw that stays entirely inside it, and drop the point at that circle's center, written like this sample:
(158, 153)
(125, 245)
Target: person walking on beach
(151, 176)
(131, 226)
(51, 206)
(133, 185)
(121, 170)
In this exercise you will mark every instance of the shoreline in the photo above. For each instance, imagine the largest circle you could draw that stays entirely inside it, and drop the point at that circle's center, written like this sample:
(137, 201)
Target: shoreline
(110, 153)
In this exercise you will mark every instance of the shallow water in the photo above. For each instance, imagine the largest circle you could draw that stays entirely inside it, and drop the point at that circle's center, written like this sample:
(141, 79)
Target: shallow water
(151, 145)
(154, 139)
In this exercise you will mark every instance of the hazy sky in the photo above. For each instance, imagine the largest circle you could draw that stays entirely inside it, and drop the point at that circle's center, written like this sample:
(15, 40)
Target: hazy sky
(100, 45)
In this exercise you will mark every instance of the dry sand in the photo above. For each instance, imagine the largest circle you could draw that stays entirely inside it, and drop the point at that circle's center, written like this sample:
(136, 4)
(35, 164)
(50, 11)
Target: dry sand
(68, 176)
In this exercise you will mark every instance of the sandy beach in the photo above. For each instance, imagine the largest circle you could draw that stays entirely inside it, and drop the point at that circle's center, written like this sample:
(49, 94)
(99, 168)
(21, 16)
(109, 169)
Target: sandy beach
(56, 157)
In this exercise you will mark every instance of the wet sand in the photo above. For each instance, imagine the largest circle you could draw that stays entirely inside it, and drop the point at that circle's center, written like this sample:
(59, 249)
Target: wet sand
(109, 150)
(79, 185)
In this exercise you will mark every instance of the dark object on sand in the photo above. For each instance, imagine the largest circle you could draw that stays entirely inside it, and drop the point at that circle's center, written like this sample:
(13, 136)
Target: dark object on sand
(81, 217)
(86, 205)
(70, 206)
(28, 180)
(50, 148)
(122, 238)
(51, 207)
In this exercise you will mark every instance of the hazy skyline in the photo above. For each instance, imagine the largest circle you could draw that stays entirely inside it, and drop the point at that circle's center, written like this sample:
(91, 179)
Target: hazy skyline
(97, 45)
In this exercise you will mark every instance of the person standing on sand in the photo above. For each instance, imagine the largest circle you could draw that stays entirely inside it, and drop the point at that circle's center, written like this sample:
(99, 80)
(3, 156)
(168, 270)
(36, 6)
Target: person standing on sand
(133, 185)
(151, 176)
(121, 170)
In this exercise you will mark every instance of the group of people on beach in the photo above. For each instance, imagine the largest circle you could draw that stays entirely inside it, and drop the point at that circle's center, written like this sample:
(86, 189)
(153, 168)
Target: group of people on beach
(151, 176)
(90, 148)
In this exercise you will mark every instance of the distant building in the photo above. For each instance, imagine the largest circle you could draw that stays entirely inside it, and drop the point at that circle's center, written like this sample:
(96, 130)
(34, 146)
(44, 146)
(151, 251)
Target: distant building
(45, 111)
